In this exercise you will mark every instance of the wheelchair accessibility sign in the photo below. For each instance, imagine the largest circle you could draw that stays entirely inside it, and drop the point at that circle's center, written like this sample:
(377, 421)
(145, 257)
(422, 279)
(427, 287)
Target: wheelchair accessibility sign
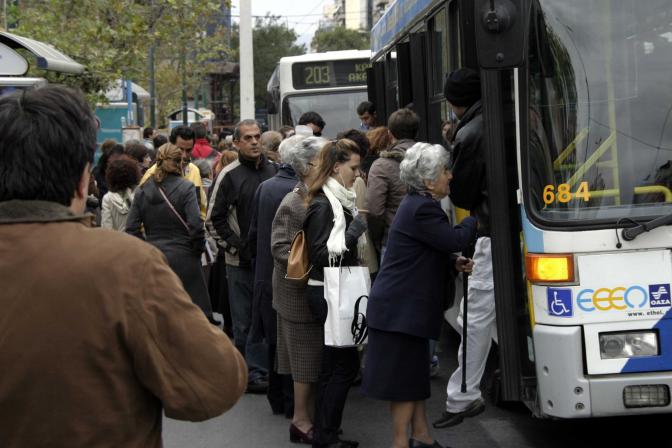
(560, 302)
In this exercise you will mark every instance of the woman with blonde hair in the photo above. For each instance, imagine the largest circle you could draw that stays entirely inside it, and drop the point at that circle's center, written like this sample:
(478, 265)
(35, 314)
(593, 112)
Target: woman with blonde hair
(227, 156)
(333, 227)
(166, 206)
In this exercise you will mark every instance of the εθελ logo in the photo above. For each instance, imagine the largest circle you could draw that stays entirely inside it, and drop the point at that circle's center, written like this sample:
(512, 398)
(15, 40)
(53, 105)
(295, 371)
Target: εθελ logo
(659, 295)
(607, 299)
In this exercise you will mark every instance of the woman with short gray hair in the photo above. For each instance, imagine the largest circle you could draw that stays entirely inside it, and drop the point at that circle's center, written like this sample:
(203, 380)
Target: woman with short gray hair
(406, 302)
(425, 163)
(299, 335)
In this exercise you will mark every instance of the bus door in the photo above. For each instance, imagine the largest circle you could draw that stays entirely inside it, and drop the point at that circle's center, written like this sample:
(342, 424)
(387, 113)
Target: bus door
(500, 45)
(418, 62)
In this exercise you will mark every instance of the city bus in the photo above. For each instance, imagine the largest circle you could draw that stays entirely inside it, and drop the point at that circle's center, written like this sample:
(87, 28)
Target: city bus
(577, 108)
(331, 84)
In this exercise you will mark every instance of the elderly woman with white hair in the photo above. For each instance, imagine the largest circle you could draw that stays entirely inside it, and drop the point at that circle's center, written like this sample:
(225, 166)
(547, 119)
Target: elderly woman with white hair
(406, 302)
(299, 335)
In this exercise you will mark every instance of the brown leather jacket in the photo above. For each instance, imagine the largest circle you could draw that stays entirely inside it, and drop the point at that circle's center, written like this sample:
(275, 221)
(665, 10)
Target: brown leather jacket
(97, 337)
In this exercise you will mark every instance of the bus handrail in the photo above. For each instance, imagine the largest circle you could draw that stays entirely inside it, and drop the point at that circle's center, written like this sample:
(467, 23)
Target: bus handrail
(569, 149)
(647, 189)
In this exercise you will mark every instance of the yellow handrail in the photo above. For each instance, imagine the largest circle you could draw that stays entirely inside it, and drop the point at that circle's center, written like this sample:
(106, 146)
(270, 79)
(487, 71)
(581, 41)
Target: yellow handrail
(648, 189)
(568, 150)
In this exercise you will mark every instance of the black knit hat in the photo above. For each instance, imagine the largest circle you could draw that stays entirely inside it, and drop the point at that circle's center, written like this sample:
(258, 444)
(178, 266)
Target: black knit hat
(462, 87)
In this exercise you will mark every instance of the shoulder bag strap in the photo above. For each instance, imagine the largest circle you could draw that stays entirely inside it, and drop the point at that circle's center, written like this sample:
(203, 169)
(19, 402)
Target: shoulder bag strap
(165, 197)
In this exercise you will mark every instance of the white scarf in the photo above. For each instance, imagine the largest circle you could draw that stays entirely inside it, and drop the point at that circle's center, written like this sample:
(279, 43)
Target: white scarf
(339, 197)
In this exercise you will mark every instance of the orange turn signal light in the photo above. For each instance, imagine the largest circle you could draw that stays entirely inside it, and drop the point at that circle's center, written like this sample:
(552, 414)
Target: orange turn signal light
(550, 268)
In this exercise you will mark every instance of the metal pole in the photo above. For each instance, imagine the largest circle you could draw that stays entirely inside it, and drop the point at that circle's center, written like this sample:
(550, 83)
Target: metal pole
(185, 106)
(246, 61)
(152, 89)
(129, 102)
(465, 320)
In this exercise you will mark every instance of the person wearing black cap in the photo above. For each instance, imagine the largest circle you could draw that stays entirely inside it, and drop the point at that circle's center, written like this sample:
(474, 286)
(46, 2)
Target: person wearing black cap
(469, 191)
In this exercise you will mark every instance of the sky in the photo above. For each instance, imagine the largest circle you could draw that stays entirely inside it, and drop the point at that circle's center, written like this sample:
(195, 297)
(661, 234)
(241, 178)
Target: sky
(300, 15)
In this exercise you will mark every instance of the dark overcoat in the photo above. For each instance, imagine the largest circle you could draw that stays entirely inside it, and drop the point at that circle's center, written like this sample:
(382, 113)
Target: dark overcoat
(164, 230)
(408, 294)
(266, 201)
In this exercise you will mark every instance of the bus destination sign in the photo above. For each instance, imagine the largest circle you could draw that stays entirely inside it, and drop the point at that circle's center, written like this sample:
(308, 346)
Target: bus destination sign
(344, 73)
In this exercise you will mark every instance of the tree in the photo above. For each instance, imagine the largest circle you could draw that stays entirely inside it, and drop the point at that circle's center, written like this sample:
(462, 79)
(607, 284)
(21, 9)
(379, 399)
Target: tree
(112, 38)
(272, 40)
(339, 38)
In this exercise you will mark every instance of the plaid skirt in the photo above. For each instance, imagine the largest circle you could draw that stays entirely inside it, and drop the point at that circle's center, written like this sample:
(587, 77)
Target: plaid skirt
(299, 349)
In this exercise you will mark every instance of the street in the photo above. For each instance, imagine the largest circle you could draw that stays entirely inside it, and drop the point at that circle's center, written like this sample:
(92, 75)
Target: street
(251, 424)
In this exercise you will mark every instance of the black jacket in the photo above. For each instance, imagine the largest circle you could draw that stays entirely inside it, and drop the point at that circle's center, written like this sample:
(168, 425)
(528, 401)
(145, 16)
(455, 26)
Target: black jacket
(232, 206)
(317, 226)
(469, 188)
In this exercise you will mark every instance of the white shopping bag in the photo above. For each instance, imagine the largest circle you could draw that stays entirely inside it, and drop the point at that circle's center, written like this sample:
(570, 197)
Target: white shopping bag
(345, 289)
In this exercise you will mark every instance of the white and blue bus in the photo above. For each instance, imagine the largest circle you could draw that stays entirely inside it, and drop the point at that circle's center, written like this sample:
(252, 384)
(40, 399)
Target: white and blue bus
(577, 105)
(331, 84)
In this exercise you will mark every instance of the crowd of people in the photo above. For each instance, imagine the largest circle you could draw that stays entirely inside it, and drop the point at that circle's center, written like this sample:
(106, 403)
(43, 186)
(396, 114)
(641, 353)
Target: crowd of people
(224, 215)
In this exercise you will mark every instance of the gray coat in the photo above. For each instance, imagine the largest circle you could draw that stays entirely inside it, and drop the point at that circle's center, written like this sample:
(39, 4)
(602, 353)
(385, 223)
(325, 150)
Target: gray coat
(164, 230)
(385, 191)
(289, 298)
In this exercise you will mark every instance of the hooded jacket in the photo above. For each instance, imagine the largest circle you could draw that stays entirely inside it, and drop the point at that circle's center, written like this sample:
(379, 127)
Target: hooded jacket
(385, 191)
(469, 188)
(202, 149)
(116, 206)
(100, 337)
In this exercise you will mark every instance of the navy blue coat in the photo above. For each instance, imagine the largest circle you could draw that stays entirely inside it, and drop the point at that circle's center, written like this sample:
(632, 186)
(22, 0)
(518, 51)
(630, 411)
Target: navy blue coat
(266, 201)
(408, 294)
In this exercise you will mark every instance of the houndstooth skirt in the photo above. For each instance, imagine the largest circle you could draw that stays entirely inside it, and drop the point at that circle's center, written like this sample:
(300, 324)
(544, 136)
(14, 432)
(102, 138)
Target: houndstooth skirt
(299, 349)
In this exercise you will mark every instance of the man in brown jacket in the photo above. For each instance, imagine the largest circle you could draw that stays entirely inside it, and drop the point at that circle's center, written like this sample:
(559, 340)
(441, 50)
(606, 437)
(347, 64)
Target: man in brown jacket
(97, 335)
(385, 190)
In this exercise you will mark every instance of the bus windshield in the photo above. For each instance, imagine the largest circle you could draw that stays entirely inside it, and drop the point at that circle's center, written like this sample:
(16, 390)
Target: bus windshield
(599, 111)
(338, 110)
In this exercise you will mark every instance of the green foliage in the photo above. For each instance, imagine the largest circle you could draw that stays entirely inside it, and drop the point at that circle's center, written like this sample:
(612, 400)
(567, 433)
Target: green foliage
(112, 38)
(272, 40)
(339, 38)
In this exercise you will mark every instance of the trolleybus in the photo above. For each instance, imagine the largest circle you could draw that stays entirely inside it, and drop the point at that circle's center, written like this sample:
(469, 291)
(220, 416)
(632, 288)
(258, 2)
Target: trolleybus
(331, 84)
(577, 107)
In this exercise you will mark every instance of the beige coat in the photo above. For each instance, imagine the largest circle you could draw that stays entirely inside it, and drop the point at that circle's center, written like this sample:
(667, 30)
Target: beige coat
(370, 257)
(97, 337)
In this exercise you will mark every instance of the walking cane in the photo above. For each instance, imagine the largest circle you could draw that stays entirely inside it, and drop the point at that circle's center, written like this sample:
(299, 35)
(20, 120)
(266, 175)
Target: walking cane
(465, 292)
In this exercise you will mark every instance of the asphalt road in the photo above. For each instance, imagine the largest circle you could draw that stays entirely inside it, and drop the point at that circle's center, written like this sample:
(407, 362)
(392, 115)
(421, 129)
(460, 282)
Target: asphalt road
(251, 424)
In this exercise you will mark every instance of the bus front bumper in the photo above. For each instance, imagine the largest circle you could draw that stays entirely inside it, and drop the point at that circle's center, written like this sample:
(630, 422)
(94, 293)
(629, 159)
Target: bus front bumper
(565, 391)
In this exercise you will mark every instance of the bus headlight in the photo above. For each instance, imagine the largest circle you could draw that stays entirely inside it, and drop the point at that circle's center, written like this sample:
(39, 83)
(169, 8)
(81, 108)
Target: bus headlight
(628, 345)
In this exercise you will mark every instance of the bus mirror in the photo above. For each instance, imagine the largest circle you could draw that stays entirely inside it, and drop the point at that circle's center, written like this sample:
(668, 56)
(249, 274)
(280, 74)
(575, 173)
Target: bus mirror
(501, 32)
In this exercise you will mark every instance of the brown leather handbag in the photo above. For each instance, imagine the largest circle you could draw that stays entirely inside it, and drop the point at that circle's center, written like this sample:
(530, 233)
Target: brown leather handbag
(298, 265)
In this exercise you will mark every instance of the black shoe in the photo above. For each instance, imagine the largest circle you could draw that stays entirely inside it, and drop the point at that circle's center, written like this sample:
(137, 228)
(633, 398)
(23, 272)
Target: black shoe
(258, 386)
(347, 444)
(455, 418)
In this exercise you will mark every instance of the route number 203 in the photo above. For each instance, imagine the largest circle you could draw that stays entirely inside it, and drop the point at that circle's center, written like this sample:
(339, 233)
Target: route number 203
(563, 194)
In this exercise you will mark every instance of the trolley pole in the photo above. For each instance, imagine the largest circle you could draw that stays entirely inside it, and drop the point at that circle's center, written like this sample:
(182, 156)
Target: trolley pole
(246, 61)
